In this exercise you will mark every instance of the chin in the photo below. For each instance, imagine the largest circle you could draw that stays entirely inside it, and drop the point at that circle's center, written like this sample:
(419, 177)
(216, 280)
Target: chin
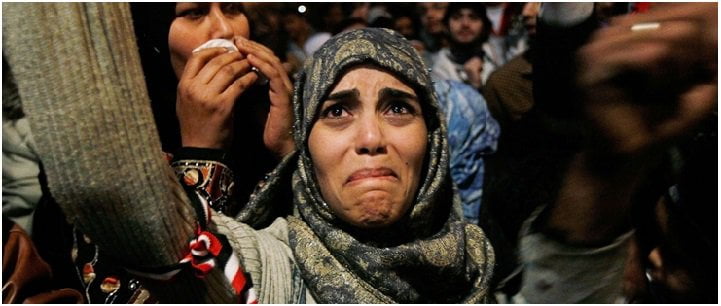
(375, 221)
(369, 208)
(376, 213)
(466, 41)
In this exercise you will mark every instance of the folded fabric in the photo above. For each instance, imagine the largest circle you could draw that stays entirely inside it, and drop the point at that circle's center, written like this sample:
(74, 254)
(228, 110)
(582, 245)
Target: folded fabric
(217, 43)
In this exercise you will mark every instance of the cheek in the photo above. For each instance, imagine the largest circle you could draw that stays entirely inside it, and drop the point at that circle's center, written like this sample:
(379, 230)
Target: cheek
(454, 26)
(177, 39)
(411, 144)
(181, 42)
(413, 149)
(479, 27)
(241, 27)
(326, 157)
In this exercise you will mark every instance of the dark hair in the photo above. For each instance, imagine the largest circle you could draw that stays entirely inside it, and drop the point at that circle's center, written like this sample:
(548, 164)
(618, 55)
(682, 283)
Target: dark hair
(401, 11)
(349, 7)
(151, 22)
(349, 22)
(478, 8)
(382, 22)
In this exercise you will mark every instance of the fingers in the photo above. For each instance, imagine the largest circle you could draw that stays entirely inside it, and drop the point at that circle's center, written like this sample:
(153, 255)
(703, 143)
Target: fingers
(689, 25)
(672, 11)
(228, 74)
(663, 53)
(678, 31)
(239, 85)
(279, 82)
(646, 88)
(213, 71)
(215, 65)
(198, 60)
(277, 133)
(279, 123)
(694, 106)
(267, 63)
(249, 45)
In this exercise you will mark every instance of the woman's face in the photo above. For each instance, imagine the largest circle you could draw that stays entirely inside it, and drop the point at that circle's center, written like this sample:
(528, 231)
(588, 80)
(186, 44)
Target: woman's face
(368, 146)
(196, 23)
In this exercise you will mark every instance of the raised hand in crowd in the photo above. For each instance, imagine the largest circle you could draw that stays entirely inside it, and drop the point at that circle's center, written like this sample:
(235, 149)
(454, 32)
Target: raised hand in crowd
(650, 78)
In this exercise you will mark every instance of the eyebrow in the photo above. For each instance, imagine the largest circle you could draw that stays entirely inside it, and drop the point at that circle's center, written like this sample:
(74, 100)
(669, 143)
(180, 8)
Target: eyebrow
(344, 94)
(385, 93)
(395, 93)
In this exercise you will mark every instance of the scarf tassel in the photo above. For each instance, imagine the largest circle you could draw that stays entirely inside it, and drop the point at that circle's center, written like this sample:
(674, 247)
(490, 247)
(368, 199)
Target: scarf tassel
(209, 250)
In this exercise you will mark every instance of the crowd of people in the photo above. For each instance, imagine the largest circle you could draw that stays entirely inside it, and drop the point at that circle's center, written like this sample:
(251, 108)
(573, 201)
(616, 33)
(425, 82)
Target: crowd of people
(396, 152)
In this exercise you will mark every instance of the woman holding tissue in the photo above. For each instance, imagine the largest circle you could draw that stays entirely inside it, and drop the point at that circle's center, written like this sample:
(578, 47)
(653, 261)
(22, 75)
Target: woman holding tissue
(221, 96)
(232, 99)
(221, 101)
(211, 79)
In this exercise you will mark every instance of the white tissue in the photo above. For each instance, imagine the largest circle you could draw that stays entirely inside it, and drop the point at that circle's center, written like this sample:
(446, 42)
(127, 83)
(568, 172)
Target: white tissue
(217, 43)
(230, 46)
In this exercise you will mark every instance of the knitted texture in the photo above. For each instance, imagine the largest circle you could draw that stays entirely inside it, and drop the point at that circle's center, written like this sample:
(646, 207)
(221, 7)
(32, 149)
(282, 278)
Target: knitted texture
(79, 76)
(266, 258)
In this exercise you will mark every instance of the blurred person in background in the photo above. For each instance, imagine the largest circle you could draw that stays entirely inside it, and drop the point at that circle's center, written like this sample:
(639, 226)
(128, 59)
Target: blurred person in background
(433, 32)
(299, 31)
(509, 90)
(508, 36)
(465, 59)
(408, 25)
(359, 10)
(325, 18)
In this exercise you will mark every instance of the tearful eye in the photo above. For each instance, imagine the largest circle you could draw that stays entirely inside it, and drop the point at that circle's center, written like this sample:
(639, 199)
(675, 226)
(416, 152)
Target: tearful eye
(334, 111)
(400, 108)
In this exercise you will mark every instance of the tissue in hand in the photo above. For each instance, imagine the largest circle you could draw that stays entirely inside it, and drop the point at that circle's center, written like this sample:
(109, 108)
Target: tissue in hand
(217, 43)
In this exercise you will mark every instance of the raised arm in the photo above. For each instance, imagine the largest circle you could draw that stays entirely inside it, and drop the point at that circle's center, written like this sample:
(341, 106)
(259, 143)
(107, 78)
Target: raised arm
(646, 81)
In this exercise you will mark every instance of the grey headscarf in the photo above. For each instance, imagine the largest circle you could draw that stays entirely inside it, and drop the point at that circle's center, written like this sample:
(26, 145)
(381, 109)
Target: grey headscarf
(428, 256)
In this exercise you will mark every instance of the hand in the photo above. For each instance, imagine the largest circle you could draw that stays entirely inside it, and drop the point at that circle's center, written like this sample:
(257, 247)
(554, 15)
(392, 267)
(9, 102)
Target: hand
(211, 81)
(473, 68)
(642, 89)
(277, 134)
(646, 88)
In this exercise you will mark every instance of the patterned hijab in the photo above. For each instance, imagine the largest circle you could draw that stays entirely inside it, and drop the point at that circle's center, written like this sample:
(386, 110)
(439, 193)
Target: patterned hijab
(430, 255)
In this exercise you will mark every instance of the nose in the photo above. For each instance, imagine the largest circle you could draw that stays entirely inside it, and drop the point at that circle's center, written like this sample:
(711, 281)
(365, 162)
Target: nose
(370, 139)
(466, 21)
(220, 24)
